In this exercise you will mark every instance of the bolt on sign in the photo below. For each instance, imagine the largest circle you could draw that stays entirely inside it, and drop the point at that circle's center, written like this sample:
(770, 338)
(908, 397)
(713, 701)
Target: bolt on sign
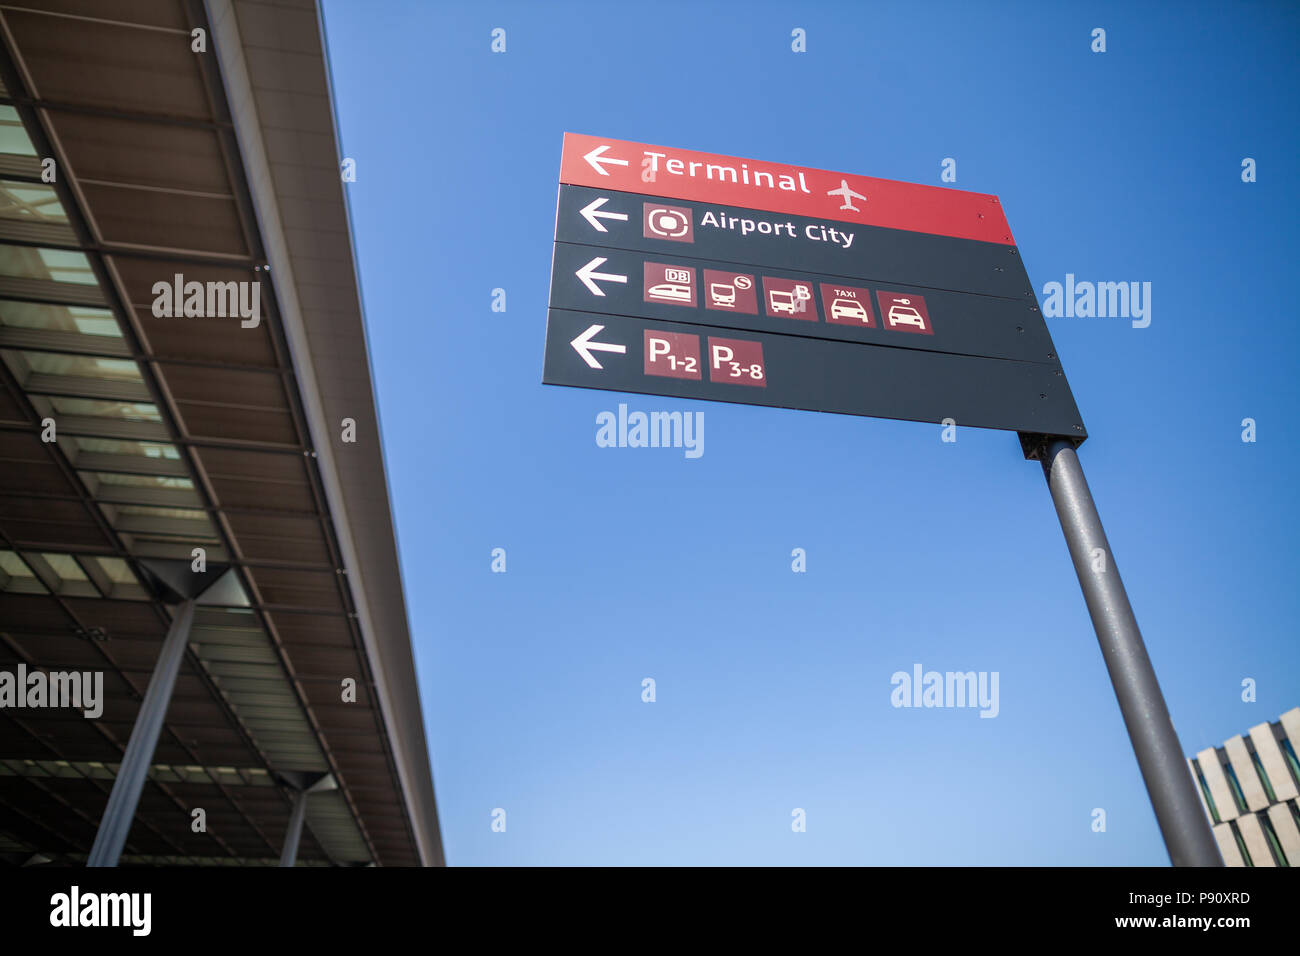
(703, 276)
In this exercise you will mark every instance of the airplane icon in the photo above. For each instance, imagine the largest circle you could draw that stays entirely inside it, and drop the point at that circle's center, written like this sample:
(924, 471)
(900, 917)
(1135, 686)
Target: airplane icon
(847, 194)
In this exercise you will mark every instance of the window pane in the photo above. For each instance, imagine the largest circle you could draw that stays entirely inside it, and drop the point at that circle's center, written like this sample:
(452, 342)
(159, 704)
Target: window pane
(15, 576)
(136, 449)
(30, 202)
(118, 571)
(144, 481)
(185, 514)
(95, 408)
(58, 265)
(14, 566)
(65, 566)
(59, 318)
(13, 137)
(83, 366)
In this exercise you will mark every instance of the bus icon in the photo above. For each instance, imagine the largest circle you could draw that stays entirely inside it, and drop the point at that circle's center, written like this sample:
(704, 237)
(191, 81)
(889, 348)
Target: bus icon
(790, 297)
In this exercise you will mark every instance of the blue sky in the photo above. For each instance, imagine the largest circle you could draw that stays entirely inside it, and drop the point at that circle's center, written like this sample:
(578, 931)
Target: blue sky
(773, 688)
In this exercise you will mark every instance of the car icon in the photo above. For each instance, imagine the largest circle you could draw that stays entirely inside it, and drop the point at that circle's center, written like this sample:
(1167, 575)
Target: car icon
(849, 309)
(902, 313)
(670, 290)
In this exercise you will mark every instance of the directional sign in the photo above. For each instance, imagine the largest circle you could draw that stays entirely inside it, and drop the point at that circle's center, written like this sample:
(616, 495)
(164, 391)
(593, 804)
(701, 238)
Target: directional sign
(703, 276)
(734, 280)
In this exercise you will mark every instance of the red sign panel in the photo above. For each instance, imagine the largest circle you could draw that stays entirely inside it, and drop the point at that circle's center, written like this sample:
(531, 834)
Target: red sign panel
(774, 187)
(730, 292)
(904, 311)
(659, 221)
(789, 299)
(672, 354)
(736, 362)
(671, 285)
(847, 305)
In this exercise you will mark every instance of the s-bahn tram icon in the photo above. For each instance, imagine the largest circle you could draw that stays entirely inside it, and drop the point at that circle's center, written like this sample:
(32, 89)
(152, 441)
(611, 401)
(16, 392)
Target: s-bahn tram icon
(730, 292)
(722, 295)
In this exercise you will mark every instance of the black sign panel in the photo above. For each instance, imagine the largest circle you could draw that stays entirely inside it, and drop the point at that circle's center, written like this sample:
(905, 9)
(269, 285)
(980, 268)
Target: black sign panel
(797, 243)
(681, 297)
(709, 292)
(791, 371)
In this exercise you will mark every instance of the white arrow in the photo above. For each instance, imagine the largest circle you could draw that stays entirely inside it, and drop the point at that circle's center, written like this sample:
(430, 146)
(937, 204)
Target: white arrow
(584, 346)
(589, 212)
(586, 275)
(597, 156)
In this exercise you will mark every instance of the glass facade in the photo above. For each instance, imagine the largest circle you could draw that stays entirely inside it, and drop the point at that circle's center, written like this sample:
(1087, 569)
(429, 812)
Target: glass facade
(76, 367)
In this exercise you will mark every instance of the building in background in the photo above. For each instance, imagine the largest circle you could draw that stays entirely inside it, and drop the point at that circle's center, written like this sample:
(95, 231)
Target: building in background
(193, 502)
(1249, 788)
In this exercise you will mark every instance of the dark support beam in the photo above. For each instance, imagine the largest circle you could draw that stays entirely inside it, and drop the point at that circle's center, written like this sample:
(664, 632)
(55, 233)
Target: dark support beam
(118, 815)
(303, 785)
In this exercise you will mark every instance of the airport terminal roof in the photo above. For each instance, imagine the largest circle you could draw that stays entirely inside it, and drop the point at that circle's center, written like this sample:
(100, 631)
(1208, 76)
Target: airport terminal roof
(213, 156)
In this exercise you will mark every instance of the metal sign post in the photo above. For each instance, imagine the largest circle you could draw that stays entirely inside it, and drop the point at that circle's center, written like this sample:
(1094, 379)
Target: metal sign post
(1182, 820)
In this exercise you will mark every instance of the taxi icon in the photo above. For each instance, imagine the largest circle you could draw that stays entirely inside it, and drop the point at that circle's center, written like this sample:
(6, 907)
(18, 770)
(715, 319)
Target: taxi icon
(849, 309)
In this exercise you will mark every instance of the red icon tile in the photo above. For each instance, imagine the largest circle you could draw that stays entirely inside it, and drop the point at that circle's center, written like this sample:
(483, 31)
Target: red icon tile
(672, 354)
(730, 292)
(673, 223)
(789, 299)
(672, 285)
(847, 305)
(904, 311)
(736, 362)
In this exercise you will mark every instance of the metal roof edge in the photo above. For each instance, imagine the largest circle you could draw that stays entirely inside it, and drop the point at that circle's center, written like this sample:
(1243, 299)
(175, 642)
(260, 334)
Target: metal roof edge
(377, 591)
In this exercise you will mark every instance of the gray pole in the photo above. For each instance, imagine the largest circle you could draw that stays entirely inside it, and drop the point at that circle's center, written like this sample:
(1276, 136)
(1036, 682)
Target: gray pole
(1173, 795)
(127, 786)
(289, 855)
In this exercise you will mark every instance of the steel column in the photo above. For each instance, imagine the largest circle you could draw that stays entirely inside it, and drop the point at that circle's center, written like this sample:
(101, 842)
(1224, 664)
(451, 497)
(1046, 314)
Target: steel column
(289, 855)
(129, 783)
